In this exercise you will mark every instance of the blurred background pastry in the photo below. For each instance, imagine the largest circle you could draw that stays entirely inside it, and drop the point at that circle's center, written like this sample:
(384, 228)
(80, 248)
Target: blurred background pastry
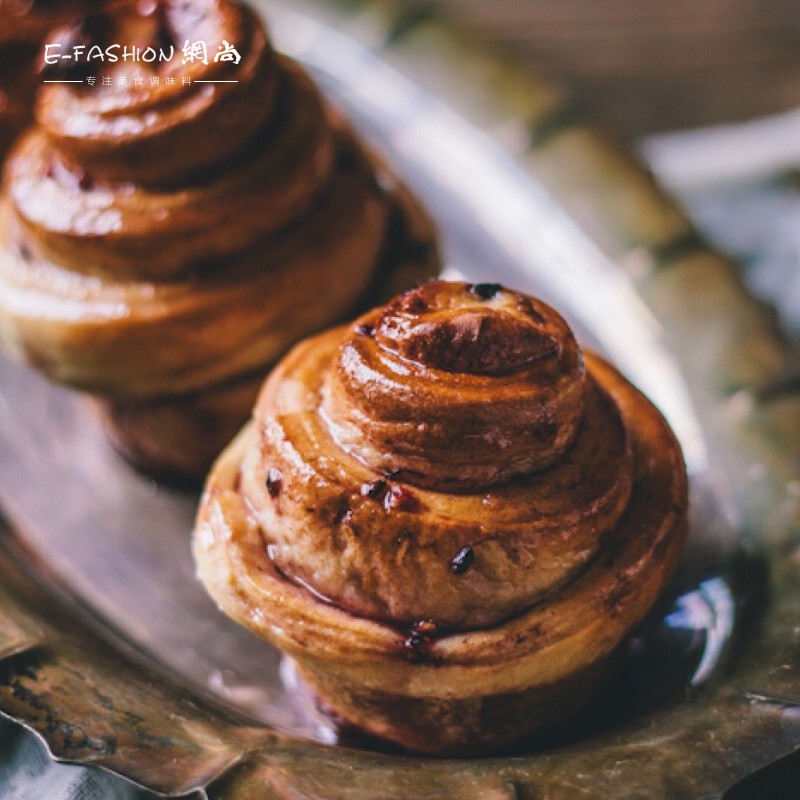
(24, 25)
(449, 516)
(171, 226)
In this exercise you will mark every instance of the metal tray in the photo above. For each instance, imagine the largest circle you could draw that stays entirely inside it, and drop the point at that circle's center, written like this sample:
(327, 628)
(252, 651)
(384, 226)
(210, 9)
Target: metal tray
(109, 648)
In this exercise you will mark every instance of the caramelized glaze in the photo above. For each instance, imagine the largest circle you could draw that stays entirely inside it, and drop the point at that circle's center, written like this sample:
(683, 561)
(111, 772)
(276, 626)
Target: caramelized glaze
(378, 570)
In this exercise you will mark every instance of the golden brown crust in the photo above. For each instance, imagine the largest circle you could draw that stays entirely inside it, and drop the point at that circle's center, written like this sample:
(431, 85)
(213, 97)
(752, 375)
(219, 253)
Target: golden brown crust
(383, 547)
(385, 586)
(132, 231)
(145, 339)
(449, 389)
(165, 240)
(170, 133)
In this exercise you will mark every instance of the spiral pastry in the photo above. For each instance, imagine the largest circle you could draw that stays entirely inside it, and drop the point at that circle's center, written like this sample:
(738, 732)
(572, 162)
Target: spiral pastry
(169, 235)
(448, 515)
(24, 25)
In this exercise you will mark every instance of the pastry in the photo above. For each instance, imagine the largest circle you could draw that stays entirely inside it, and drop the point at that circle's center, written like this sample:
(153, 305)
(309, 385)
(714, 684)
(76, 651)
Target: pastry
(166, 237)
(24, 25)
(448, 515)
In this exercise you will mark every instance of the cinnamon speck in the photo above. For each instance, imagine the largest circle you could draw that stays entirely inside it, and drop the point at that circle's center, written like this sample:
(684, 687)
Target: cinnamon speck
(375, 490)
(486, 291)
(366, 330)
(342, 514)
(401, 498)
(545, 431)
(418, 643)
(274, 482)
(426, 627)
(463, 560)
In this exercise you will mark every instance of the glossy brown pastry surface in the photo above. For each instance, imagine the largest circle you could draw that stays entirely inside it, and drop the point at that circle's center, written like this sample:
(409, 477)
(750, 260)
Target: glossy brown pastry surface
(446, 512)
(175, 234)
(373, 514)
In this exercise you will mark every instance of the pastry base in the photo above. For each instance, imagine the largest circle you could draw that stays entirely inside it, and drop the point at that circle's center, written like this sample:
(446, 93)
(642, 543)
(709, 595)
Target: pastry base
(176, 439)
(474, 726)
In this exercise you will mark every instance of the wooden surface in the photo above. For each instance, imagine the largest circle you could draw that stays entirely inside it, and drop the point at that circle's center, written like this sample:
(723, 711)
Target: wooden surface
(642, 66)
